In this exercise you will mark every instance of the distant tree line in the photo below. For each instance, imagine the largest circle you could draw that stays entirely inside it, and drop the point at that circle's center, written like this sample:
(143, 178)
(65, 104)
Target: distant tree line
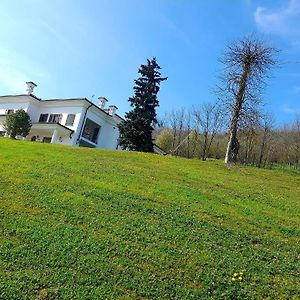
(234, 128)
(202, 133)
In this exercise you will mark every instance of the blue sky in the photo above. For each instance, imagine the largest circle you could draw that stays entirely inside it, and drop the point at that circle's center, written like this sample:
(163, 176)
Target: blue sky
(76, 48)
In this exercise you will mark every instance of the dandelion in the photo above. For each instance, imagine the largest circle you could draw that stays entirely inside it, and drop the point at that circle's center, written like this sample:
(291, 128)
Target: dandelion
(237, 276)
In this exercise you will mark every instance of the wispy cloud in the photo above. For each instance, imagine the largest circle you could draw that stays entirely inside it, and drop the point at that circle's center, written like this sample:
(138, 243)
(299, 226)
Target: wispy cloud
(290, 110)
(178, 32)
(281, 21)
(15, 70)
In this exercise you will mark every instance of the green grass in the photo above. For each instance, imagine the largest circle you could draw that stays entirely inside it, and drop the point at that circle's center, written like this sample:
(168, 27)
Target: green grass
(80, 223)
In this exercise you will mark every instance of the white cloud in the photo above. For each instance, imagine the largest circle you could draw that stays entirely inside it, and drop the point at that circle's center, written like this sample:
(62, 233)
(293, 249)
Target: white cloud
(280, 21)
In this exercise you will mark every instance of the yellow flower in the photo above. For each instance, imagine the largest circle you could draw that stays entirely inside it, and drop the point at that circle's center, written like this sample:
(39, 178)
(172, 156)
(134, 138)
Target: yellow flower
(240, 278)
(235, 274)
(241, 273)
(233, 279)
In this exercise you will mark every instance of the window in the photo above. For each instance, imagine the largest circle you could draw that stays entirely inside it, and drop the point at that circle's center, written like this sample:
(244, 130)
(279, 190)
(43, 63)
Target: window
(46, 139)
(9, 111)
(70, 119)
(91, 131)
(43, 118)
(95, 135)
(55, 118)
(2, 133)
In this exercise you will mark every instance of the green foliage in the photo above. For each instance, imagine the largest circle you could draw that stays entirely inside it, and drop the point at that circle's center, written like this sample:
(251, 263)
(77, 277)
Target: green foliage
(80, 223)
(18, 123)
(136, 130)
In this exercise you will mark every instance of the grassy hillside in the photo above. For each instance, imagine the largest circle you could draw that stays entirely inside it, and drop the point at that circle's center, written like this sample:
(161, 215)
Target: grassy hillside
(81, 223)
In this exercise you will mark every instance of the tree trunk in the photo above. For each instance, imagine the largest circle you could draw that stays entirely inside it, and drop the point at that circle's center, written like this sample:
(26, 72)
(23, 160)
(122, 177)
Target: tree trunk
(204, 149)
(232, 149)
(262, 148)
(233, 143)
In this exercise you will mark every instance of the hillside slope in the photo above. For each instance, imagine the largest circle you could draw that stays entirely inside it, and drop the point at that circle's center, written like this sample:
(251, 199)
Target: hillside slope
(81, 223)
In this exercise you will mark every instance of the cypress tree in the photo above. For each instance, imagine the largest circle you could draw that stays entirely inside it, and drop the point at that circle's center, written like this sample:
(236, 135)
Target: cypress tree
(136, 129)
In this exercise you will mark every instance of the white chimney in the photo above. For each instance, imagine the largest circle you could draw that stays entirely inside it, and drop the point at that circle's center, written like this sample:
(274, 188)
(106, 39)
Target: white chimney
(112, 110)
(30, 86)
(102, 102)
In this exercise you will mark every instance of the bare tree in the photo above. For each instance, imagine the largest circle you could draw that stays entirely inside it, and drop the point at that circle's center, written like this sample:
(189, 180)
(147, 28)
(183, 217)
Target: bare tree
(247, 63)
(295, 133)
(208, 120)
(176, 118)
(266, 128)
(248, 137)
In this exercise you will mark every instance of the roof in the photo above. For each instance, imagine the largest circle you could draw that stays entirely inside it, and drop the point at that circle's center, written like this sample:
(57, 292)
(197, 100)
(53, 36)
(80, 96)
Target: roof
(27, 82)
(120, 117)
(163, 152)
(74, 99)
(22, 95)
(65, 99)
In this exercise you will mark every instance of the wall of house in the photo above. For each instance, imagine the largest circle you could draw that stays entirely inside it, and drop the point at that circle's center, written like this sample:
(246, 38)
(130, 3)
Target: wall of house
(13, 105)
(33, 111)
(12, 102)
(51, 108)
(64, 110)
(108, 134)
(60, 137)
(109, 137)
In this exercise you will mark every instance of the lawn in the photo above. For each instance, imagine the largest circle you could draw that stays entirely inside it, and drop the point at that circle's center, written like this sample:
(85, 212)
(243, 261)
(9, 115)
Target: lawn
(79, 223)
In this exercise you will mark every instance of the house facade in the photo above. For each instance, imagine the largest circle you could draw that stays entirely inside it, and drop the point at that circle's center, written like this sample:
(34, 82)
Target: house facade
(74, 122)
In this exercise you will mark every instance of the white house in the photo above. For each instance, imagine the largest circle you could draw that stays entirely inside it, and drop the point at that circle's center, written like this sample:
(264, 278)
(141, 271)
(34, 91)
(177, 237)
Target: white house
(74, 122)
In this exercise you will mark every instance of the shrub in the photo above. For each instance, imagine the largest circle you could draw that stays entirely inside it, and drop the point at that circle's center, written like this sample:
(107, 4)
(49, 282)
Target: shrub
(18, 123)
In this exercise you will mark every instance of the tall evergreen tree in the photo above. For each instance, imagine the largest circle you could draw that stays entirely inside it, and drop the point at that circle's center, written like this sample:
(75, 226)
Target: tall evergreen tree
(136, 129)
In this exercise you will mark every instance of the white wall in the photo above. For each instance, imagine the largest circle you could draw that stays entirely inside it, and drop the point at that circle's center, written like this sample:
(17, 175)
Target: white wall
(12, 102)
(55, 108)
(13, 105)
(108, 138)
(62, 137)
(108, 134)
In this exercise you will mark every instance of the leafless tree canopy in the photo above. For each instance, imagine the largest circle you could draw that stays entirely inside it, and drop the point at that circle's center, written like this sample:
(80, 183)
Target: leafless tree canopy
(208, 121)
(252, 54)
(253, 137)
(246, 66)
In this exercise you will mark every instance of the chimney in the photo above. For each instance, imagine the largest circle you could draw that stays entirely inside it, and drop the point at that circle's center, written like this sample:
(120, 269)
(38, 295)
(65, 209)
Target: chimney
(30, 86)
(112, 110)
(102, 102)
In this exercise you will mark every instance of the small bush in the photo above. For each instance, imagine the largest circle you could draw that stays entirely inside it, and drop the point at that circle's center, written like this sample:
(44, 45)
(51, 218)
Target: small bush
(18, 123)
